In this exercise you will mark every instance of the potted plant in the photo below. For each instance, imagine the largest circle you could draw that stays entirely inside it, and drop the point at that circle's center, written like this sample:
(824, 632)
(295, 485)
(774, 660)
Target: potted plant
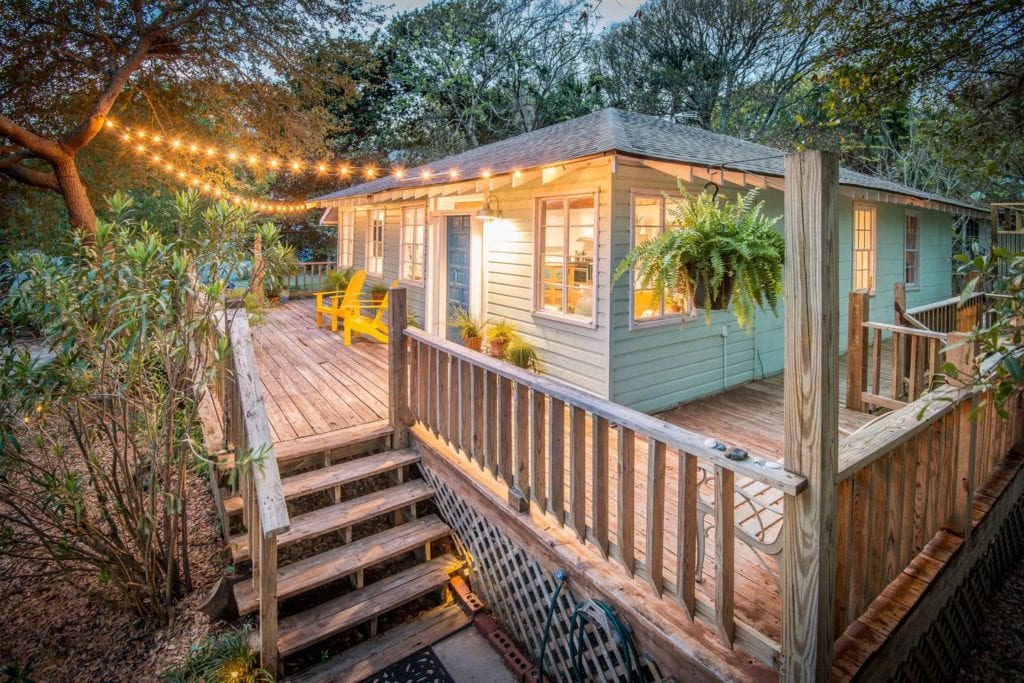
(499, 334)
(470, 329)
(378, 292)
(279, 262)
(715, 253)
(337, 280)
(521, 353)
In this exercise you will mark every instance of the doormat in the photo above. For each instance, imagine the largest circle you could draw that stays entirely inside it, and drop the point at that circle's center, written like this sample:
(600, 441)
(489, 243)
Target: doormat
(422, 667)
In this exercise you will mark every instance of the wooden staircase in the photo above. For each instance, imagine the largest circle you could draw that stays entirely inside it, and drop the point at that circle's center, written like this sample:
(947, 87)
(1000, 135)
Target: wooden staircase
(339, 606)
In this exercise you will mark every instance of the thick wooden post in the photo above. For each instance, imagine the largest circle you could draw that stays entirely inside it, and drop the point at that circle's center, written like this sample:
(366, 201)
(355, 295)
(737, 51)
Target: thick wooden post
(962, 357)
(269, 659)
(398, 368)
(857, 348)
(899, 302)
(811, 413)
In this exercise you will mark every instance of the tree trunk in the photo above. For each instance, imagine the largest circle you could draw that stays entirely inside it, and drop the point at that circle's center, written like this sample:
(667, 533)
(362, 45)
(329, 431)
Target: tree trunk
(80, 211)
(256, 283)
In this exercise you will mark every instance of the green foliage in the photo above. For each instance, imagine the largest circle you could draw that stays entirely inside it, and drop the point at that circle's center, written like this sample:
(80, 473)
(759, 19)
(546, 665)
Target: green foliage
(224, 658)
(98, 421)
(521, 353)
(501, 331)
(337, 280)
(713, 242)
(279, 261)
(378, 290)
(468, 325)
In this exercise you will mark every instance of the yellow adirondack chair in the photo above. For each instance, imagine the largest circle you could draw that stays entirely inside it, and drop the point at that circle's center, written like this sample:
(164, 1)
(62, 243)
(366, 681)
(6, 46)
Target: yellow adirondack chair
(340, 304)
(374, 326)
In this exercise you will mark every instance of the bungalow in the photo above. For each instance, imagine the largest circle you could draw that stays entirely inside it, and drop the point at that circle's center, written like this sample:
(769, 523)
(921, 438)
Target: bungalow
(530, 229)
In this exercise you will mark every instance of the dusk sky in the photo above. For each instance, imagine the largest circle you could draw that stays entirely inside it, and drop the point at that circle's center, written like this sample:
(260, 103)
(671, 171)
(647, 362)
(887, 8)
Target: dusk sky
(610, 10)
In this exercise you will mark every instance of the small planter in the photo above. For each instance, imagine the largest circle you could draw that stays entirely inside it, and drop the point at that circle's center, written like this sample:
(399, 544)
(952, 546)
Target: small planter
(720, 297)
(474, 343)
(498, 347)
(377, 298)
(284, 296)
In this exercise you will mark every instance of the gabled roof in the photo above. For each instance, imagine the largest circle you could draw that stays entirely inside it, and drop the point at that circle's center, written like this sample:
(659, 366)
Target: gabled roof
(614, 130)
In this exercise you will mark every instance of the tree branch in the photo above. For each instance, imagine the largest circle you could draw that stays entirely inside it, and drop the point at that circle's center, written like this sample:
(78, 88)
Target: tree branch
(23, 137)
(13, 168)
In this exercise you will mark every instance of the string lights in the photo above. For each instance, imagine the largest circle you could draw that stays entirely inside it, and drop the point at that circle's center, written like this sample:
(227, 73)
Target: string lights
(150, 144)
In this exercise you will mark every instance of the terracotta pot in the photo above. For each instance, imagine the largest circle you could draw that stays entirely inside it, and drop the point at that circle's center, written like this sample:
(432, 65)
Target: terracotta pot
(377, 298)
(498, 347)
(473, 343)
(720, 297)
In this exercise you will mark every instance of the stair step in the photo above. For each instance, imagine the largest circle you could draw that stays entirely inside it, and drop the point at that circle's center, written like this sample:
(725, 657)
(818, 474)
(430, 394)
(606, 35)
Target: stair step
(340, 515)
(325, 478)
(358, 607)
(336, 563)
(392, 646)
(296, 449)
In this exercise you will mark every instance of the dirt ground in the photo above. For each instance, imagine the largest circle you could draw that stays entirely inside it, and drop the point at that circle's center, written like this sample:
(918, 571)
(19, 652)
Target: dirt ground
(68, 635)
(998, 653)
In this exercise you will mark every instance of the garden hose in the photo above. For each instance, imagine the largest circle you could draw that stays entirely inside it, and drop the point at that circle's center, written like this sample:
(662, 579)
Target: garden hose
(560, 576)
(602, 616)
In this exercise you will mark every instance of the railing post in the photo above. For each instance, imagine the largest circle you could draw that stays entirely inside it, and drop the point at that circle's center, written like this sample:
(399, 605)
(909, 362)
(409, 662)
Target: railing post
(398, 368)
(857, 348)
(899, 301)
(268, 604)
(811, 413)
(962, 357)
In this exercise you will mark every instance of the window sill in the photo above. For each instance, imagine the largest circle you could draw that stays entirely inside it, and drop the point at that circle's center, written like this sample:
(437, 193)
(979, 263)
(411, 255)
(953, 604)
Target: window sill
(411, 283)
(588, 323)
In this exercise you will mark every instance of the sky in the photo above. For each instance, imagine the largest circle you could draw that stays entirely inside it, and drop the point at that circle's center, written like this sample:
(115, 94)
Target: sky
(610, 10)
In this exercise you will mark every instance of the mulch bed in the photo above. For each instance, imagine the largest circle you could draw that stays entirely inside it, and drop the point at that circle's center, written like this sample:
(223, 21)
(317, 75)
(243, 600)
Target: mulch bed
(71, 634)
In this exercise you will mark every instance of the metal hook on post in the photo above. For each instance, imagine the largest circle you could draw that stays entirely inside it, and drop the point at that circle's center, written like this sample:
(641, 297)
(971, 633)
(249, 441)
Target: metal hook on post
(714, 195)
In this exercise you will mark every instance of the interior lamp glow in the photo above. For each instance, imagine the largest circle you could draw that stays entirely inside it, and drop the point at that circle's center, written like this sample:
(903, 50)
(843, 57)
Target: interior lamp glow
(490, 210)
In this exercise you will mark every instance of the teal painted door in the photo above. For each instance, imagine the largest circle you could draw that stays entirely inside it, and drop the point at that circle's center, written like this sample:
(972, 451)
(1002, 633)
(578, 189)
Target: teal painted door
(457, 277)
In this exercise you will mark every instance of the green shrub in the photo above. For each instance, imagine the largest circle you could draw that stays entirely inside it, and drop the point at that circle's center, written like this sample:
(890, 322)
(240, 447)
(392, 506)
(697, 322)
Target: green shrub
(224, 658)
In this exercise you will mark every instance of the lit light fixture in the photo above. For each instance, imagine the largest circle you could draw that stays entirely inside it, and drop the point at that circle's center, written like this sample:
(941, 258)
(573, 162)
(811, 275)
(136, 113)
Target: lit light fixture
(490, 211)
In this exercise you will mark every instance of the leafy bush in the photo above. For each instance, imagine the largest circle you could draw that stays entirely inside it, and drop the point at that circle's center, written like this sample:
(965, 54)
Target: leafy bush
(225, 658)
(97, 421)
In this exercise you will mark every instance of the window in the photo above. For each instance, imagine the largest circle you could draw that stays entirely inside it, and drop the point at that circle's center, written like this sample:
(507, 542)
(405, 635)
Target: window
(911, 249)
(648, 223)
(414, 229)
(864, 247)
(375, 243)
(347, 239)
(566, 230)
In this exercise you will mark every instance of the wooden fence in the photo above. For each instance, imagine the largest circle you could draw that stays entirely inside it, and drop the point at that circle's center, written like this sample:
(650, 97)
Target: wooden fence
(248, 435)
(908, 475)
(557, 447)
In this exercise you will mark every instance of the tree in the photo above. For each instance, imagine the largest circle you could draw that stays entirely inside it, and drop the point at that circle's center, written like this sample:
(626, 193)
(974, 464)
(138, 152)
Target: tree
(66, 64)
(731, 66)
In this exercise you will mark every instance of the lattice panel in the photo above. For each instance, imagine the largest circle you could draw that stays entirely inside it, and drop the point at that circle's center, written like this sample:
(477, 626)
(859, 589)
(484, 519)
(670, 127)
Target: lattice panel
(942, 649)
(517, 589)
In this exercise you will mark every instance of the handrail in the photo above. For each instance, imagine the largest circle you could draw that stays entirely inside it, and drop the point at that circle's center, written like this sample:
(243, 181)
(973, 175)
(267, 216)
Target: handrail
(270, 499)
(888, 327)
(755, 467)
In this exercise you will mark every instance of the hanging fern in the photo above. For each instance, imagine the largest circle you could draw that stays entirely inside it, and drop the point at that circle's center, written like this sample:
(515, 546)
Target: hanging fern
(717, 243)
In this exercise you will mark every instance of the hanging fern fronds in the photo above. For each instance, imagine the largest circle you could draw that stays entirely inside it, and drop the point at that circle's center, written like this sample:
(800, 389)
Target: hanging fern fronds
(718, 244)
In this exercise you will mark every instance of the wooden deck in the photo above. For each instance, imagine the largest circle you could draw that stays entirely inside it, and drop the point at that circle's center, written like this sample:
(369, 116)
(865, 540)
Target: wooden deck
(312, 383)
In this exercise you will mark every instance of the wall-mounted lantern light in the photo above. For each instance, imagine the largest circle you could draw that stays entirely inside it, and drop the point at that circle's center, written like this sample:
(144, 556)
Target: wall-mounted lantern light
(490, 211)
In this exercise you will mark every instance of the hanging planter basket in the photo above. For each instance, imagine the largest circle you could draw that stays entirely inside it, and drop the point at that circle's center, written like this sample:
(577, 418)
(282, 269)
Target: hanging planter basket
(720, 297)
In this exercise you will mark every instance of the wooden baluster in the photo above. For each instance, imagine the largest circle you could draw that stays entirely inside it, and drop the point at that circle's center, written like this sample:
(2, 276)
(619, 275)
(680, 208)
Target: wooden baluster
(491, 421)
(599, 474)
(556, 454)
(913, 386)
(478, 408)
(844, 528)
(876, 363)
(934, 363)
(538, 462)
(268, 605)
(625, 446)
(423, 363)
(443, 389)
(505, 429)
(725, 550)
(466, 407)
(686, 534)
(398, 371)
(521, 466)
(655, 546)
(452, 407)
(897, 366)
(962, 357)
(578, 470)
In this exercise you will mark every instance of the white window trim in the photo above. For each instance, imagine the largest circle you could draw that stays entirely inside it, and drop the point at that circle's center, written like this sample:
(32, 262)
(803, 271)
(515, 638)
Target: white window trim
(917, 250)
(538, 257)
(874, 246)
(351, 260)
(369, 241)
(401, 244)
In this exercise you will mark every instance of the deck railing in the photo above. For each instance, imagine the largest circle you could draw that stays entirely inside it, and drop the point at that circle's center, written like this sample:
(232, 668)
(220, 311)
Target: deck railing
(557, 447)
(907, 476)
(247, 432)
(948, 315)
(312, 276)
